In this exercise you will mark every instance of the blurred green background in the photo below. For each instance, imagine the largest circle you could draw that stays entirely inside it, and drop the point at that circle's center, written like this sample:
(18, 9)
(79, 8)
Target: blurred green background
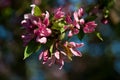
(100, 61)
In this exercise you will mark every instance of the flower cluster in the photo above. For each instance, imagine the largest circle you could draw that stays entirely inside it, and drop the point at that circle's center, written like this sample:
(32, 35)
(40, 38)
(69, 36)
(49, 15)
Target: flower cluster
(53, 31)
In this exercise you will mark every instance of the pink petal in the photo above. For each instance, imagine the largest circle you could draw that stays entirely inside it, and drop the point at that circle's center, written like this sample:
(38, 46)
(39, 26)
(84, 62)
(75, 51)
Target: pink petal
(79, 45)
(68, 19)
(48, 32)
(82, 21)
(72, 44)
(77, 26)
(89, 27)
(45, 56)
(46, 20)
(57, 54)
(40, 56)
(80, 12)
(75, 31)
(70, 34)
(41, 40)
(76, 16)
(59, 14)
(62, 64)
(75, 52)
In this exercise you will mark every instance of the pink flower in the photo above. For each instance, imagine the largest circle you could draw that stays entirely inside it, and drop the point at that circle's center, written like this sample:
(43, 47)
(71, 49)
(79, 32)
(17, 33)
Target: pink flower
(50, 60)
(73, 48)
(59, 13)
(89, 27)
(42, 32)
(72, 32)
(46, 19)
(44, 56)
(61, 54)
(72, 26)
(78, 14)
(77, 18)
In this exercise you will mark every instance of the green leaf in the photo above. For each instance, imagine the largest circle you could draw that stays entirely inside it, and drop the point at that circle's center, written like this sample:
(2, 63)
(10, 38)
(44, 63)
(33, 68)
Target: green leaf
(62, 36)
(37, 11)
(99, 36)
(51, 49)
(80, 34)
(31, 48)
(59, 25)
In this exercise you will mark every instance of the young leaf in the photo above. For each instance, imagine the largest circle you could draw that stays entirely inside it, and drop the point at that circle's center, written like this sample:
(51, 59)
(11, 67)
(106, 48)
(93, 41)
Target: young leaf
(99, 36)
(51, 49)
(36, 10)
(62, 36)
(31, 48)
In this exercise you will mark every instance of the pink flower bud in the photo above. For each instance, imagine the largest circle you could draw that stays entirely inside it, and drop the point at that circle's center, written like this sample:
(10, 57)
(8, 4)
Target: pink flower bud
(89, 27)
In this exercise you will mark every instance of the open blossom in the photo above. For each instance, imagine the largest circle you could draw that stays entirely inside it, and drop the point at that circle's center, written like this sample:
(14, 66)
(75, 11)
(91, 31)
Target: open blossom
(42, 31)
(78, 14)
(48, 30)
(59, 13)
(51, 60)
(61, 54)
(72, 46)
(72, 27)
(78, 17)
(88, 27)
(36, 27)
